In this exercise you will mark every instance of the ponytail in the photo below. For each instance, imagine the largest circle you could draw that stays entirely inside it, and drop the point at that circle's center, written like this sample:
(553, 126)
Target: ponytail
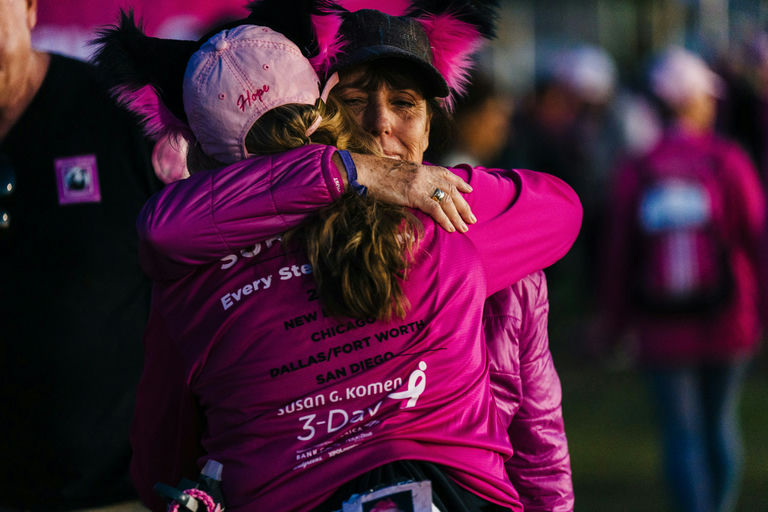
(359, 249)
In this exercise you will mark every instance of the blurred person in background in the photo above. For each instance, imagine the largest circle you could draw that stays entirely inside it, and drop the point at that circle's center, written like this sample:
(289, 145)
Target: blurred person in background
(684, 268)
(481, 128)
(566, 127)
(75, 171)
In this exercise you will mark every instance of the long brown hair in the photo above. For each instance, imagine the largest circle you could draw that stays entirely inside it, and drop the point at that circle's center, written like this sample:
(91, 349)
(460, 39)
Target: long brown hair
(359, 247)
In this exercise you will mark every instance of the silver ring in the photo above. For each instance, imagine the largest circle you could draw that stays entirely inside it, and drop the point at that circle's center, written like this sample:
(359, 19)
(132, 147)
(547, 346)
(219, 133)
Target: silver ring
(438, 195)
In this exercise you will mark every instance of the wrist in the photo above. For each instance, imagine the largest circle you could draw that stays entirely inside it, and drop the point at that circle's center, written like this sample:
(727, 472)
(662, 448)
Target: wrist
(350, 173)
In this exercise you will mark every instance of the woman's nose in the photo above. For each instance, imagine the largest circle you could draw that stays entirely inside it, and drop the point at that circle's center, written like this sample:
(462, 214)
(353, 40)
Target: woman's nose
(377, 119)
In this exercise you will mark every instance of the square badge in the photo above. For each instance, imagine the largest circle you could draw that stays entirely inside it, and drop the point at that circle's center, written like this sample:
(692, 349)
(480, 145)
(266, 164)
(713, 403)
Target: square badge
(403, 497)
(77, 179)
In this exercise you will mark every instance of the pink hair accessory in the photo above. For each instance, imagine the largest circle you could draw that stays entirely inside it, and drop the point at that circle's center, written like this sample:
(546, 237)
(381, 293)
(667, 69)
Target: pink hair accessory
(440, 38)
(313, 127)
(332, 81)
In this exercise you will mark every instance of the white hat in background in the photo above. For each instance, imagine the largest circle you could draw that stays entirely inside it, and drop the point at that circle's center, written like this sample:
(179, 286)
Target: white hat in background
(679, 75)
(588, 70)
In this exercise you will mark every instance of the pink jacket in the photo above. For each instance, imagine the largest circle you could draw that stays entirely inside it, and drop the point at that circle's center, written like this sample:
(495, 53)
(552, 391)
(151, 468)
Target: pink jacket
(732, 333)
(528, 396)
(192, 338)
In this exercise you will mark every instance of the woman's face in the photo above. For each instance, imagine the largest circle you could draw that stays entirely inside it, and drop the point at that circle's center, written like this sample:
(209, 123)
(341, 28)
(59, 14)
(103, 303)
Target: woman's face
(699, 112)
(398, 118)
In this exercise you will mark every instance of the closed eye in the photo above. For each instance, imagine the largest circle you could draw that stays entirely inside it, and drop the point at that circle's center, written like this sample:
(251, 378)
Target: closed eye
(354, 104)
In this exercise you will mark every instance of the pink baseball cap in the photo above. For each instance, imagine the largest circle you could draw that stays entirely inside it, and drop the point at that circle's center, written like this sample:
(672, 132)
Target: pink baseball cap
(237, 76)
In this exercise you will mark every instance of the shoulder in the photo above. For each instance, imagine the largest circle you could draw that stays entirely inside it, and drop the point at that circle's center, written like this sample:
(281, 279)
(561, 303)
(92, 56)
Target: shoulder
(68, 72)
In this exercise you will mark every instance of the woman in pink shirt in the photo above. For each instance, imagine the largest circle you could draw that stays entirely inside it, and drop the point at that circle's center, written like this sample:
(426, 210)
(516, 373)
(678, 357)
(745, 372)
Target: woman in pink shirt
(337, 398)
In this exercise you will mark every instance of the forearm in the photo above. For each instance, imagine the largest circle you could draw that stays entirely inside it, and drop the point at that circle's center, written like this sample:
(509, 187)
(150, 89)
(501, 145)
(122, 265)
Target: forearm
(372, 170)
(210, 215)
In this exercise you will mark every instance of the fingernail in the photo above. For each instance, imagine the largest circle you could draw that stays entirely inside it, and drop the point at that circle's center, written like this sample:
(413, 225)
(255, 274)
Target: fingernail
(472, 218)
(463, 228)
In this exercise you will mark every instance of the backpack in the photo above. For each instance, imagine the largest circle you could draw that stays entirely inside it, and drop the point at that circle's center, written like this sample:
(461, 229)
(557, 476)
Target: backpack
(682, 259)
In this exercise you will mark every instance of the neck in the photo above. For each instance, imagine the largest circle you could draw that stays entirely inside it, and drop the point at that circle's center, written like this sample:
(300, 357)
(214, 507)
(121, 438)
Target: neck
(21, 91)
(693, 126)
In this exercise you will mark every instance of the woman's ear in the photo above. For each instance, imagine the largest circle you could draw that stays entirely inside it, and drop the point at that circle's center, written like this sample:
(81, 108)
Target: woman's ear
(31, 14)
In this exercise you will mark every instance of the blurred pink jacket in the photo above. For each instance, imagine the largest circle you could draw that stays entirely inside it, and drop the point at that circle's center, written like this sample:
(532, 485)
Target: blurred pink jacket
(735, 331)
(528, 394)
(195, 222)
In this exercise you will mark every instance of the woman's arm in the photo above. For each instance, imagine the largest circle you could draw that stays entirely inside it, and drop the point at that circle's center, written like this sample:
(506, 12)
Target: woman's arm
(214, 214)
(217, 213)
(526, 221)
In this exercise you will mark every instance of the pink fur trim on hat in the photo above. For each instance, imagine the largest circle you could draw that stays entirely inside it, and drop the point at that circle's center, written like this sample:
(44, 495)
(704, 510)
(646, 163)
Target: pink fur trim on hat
(453, 42)
(329, 41)
(391, 7)
(157, 120)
